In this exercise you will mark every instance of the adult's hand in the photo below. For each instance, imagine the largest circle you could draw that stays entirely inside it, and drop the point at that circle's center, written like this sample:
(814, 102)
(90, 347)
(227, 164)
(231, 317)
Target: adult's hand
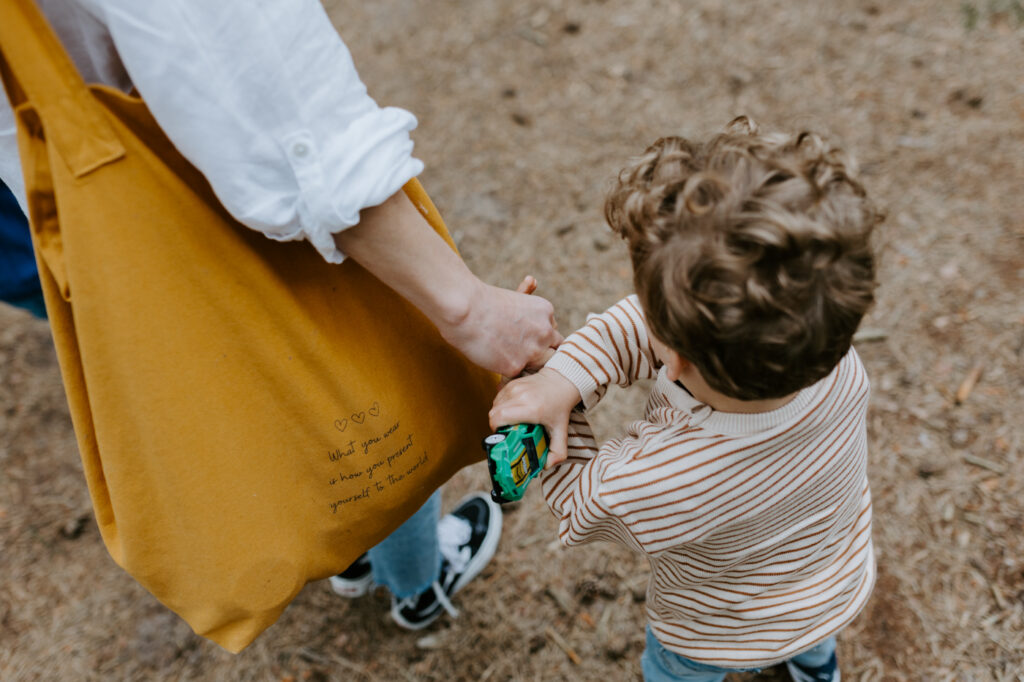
(500, 330)
(505, 331)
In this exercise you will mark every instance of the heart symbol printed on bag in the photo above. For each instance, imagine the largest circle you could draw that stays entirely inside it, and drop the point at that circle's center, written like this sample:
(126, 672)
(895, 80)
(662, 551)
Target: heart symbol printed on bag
(374, 409)
(341, 424)
(359, 417)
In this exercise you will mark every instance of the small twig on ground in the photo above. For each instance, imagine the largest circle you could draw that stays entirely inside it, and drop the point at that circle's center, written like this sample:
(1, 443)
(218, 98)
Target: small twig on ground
(490, 671)
(1000, 644)
(994, 467)
(531, 540)
(870, 674)
(976, 519)
(870, 335)
(535, 37)
(563, 645)
(561, 598)
(314, 657)
(602, 625)
(967, 385)
(997, 594)
(638, 581)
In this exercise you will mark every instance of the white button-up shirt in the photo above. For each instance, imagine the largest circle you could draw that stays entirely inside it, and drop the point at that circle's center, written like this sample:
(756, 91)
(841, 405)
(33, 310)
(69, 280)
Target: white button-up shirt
(260, 95)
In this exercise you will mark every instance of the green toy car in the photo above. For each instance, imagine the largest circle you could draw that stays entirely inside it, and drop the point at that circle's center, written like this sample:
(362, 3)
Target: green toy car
(515, 456)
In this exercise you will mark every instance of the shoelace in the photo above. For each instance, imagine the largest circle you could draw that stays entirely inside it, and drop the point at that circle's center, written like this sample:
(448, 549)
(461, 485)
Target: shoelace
(442, 598)
(453, 536)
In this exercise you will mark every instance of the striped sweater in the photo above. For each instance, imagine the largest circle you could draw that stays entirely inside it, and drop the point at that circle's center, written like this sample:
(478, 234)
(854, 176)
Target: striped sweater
(757, 527)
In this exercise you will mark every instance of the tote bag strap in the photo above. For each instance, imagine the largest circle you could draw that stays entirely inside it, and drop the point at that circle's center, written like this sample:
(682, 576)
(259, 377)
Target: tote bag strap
(37, 72)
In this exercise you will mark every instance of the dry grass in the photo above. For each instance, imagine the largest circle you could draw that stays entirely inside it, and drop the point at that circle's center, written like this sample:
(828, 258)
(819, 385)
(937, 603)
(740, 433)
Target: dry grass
(527, 109)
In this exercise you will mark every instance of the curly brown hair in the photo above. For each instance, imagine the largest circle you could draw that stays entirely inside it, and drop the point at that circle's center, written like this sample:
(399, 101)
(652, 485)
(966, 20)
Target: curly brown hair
(751, 254)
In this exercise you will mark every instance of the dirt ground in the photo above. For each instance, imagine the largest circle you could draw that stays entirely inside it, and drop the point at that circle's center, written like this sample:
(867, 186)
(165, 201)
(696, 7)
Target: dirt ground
(526, 111)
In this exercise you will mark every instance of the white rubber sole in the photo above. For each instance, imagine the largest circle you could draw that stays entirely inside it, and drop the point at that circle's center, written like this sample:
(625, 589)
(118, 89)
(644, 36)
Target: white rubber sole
(350, 589)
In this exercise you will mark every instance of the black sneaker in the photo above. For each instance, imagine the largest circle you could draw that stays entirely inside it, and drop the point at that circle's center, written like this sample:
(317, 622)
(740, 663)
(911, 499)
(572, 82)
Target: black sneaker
(468, 538)
(355, 580)
(822, 673)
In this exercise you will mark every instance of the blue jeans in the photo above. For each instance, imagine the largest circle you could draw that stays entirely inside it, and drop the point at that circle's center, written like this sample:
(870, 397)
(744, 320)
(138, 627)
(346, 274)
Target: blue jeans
(408, 561)
(19, 283)
(33, 303)
(661, 665)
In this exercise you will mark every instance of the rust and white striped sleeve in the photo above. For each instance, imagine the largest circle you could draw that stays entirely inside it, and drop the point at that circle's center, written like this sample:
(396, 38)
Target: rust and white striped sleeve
(612, 347)
(575, 489)
(582, 446)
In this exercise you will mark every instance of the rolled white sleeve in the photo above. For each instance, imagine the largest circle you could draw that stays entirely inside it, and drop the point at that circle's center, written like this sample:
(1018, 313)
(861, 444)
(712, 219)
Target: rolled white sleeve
(263, 98)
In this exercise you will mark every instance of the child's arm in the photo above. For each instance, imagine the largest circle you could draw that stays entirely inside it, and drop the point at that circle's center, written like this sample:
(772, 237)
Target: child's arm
(579, 494)
(613, 347)
(572, 480)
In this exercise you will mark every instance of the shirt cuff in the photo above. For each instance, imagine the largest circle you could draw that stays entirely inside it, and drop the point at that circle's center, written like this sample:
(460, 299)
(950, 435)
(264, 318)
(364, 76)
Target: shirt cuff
(366, 166)
(581, 377)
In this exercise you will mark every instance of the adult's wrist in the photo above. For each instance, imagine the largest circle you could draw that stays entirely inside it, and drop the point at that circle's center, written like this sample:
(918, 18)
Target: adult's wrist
(453, 301)
(395, 243)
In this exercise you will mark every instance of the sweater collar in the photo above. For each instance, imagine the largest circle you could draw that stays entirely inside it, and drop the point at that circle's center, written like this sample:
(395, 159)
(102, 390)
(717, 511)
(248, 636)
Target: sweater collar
(733, 423)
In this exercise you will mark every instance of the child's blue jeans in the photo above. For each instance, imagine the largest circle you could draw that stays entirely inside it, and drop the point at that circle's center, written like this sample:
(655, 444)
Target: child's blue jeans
(408, 561)
(661, 665)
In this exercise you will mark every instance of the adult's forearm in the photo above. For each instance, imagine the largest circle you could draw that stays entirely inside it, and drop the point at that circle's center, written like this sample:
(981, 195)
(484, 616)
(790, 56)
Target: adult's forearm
(498, 329)
(395, 243)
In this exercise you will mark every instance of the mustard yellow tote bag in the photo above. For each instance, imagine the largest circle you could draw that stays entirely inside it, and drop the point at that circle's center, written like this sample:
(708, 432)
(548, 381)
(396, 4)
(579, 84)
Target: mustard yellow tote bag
(249, 417)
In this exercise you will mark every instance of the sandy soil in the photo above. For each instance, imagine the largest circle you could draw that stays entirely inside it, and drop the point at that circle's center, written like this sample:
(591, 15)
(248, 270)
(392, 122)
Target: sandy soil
(526, 111)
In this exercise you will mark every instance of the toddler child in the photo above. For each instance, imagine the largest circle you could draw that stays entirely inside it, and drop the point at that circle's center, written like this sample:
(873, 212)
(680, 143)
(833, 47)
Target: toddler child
(744, 484)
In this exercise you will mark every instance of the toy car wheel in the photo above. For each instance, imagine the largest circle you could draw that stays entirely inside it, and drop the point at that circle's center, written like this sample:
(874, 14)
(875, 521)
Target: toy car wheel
(494, 439)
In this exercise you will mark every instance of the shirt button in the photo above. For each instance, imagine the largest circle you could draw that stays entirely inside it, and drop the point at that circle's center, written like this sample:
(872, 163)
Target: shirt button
(300, 149)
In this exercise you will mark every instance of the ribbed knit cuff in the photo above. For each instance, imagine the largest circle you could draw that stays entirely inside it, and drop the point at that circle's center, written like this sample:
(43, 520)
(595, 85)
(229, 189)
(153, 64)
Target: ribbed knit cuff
(566, 364)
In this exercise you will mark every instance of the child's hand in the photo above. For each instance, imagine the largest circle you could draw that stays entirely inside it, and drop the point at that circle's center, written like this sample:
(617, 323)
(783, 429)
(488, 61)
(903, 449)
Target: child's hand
(544, 398)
